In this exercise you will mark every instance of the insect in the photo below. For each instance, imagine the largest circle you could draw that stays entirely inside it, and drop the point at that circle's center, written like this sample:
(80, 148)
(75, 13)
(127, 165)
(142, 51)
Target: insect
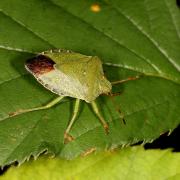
(67, 73)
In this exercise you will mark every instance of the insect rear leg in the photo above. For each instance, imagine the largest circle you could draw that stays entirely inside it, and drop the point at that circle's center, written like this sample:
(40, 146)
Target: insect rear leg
(49, 105)
(67, 137)
(97, 112)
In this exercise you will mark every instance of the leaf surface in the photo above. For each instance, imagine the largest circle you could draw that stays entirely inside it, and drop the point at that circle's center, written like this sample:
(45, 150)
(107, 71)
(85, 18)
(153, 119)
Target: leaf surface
(130, 163)
(131, 38)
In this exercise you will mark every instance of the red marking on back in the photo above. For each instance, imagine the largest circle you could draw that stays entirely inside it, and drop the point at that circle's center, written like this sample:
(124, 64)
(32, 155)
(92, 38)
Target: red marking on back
(40, 65)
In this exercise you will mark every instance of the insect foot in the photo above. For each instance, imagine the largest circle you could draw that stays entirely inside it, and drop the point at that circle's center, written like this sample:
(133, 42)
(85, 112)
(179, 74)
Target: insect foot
(67, 138)
(106, 128)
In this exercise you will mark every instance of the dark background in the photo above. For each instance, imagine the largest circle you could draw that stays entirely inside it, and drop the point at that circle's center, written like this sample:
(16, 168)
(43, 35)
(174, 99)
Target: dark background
(165, 141)
(178, 3)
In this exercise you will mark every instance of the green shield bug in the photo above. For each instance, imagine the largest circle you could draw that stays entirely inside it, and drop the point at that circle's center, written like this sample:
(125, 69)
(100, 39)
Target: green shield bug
(67, 73)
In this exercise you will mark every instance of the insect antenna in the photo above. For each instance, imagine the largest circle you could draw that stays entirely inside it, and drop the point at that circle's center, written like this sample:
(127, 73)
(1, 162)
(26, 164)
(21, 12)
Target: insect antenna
(125, 80)
(117, 108)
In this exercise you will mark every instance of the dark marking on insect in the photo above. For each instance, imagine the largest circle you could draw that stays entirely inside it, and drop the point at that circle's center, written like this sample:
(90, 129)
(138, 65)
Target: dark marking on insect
(40, 65)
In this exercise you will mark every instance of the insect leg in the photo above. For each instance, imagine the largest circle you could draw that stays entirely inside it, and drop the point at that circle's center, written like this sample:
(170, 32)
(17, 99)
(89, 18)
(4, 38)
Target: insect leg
(117, 108)
(49, 105)
(96, 110)
(67, 137)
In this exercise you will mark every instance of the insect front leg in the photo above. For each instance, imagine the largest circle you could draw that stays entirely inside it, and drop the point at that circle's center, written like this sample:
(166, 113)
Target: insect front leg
(49, 105)
(97, 112)
(67, 137)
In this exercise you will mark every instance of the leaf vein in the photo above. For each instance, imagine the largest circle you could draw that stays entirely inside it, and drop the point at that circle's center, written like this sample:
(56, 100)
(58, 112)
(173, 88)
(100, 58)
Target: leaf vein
(27, 28)
(148, 36)
(16, 49)
(14, 78)
(174, 24)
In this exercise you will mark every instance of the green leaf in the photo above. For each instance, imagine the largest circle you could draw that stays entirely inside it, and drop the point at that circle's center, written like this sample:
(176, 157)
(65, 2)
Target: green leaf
(129, 163)
(131, 38)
